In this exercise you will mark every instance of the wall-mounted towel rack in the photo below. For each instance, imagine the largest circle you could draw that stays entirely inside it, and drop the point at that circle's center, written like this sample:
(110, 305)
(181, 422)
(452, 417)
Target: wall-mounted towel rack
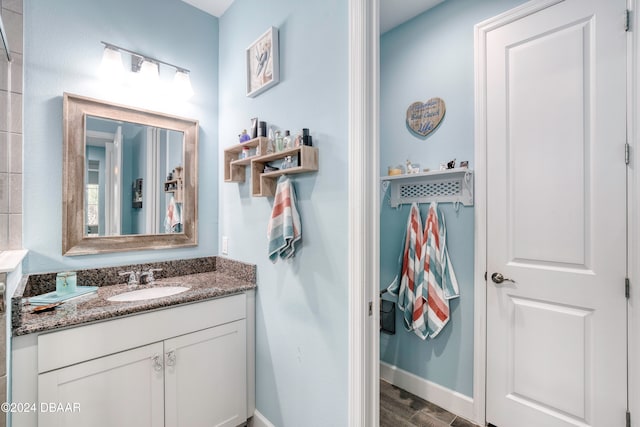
(450, 185)
(5, 41)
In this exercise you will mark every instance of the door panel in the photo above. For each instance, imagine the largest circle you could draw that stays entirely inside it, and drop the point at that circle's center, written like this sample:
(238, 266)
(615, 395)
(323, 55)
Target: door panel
(538, 119)
(556, 216)
(557, 376)
(205, 379)
(123, 389)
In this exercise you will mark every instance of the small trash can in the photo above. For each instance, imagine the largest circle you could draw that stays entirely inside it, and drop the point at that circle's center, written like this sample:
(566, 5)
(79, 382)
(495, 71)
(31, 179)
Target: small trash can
(388, 317)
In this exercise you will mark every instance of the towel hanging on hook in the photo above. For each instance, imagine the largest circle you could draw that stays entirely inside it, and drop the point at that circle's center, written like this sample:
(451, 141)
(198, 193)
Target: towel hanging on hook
(410, 268)
(440, 279)
(426, 281)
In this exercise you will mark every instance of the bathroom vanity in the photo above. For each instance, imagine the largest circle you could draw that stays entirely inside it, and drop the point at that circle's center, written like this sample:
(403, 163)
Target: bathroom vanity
(180, 360)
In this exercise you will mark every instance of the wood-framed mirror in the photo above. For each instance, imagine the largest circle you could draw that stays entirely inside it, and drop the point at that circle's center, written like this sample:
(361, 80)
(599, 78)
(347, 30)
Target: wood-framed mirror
(130, 178)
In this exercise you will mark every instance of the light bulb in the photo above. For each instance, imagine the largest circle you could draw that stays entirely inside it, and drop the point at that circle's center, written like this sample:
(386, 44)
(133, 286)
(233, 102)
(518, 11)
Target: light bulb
(149, 72)
(182, 85)
(111, 66)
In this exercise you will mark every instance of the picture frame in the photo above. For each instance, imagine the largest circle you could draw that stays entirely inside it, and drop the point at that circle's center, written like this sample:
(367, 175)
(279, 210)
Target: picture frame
(262, 58)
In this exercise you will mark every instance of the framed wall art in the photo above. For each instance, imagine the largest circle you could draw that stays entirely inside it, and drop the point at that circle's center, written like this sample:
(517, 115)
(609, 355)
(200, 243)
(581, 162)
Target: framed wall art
(263, 63)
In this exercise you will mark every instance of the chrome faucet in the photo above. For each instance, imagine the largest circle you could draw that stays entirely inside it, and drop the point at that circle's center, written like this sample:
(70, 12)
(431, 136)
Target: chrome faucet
(150, 275)
(134, 277)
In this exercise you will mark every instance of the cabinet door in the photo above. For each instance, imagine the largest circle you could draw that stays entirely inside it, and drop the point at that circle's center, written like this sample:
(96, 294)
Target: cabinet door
(206, 377)
(123, 389)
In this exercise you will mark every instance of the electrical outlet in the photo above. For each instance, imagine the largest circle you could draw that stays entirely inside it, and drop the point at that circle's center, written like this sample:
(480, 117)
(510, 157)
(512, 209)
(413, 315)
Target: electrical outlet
(225, 245)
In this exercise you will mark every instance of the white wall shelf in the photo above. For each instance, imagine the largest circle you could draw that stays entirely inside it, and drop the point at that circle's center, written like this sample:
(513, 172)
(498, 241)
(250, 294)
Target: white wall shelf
(445, 186)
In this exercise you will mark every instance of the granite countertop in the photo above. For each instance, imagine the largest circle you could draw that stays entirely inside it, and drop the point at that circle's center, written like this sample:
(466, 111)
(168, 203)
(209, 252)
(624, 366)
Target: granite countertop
(93, 307)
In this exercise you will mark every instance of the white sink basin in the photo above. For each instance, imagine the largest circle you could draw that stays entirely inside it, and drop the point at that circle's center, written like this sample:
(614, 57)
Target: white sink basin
(148, 293)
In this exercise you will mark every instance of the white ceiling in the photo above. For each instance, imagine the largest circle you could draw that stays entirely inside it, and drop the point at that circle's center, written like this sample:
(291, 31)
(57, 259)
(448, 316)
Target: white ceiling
(212, 7)
(396, 12)
(392, 12)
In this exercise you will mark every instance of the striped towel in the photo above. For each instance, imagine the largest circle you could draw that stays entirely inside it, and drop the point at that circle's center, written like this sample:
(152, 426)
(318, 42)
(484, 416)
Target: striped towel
(440, 283)
(410, 267)
(173, 218)
(426, 280)
(284, 228)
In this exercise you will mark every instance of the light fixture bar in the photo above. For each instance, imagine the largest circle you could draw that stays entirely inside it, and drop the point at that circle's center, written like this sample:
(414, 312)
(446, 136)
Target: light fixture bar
(144, 57)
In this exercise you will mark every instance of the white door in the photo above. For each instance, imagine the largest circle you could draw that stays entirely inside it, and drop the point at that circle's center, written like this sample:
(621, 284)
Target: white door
(555, 132)
(206, 377)
(124, 389)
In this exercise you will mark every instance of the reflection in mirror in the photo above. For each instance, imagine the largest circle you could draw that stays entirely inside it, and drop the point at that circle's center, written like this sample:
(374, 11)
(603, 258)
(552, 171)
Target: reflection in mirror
(133, 178)
(129, 178)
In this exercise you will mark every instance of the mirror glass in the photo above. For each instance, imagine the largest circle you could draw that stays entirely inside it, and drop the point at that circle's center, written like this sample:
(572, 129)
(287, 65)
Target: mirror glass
(129, 178)
(133, 175)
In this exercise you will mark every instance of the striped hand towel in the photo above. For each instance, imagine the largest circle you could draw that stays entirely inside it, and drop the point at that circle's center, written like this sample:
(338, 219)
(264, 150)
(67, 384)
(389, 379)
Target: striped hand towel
(284, 228)
(173, 218)
(410, 267)
(440, 283)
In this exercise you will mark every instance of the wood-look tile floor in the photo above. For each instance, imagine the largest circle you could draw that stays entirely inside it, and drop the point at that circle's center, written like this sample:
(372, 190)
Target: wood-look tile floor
(399, 408)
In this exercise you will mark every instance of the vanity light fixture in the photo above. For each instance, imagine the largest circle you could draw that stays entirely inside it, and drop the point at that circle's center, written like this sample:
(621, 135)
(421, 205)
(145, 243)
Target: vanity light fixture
(146, 67)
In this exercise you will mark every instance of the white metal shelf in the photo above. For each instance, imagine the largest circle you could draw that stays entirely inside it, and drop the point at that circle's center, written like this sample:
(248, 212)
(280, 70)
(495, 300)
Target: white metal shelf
(450, 185)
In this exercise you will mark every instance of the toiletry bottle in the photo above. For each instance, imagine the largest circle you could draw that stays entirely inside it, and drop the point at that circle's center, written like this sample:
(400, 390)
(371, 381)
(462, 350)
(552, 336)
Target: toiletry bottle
(254, 128)
(306, 138)
(270, 143)
(288, 143)
(279, 141)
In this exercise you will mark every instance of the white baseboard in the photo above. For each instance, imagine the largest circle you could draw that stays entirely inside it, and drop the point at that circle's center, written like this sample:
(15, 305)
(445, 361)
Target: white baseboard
(452, 401)
(259, 420)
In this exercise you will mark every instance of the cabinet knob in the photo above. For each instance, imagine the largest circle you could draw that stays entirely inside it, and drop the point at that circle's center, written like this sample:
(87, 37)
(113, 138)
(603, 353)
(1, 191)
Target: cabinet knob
(171, 358)
(157, 362)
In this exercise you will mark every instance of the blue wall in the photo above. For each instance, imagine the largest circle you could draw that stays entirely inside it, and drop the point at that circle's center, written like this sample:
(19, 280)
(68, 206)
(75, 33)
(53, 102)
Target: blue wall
(62, 54)
(432, 56)
(301, 313)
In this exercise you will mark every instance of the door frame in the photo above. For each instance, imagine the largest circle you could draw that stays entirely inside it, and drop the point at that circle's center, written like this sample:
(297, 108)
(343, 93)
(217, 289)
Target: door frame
(633, 188)
(364, 213)
(633, 204)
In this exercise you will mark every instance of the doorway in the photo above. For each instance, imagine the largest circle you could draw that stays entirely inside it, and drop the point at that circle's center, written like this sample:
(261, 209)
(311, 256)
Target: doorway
(481, 265)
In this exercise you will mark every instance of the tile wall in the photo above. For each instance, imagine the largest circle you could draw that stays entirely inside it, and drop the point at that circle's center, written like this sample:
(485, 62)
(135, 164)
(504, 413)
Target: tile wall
(11, 128)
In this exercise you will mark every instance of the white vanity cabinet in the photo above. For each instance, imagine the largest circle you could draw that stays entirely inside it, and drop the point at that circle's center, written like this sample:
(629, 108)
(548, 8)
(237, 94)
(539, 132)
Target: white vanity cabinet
(121, 389)
(190, 365)
(205, 377)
